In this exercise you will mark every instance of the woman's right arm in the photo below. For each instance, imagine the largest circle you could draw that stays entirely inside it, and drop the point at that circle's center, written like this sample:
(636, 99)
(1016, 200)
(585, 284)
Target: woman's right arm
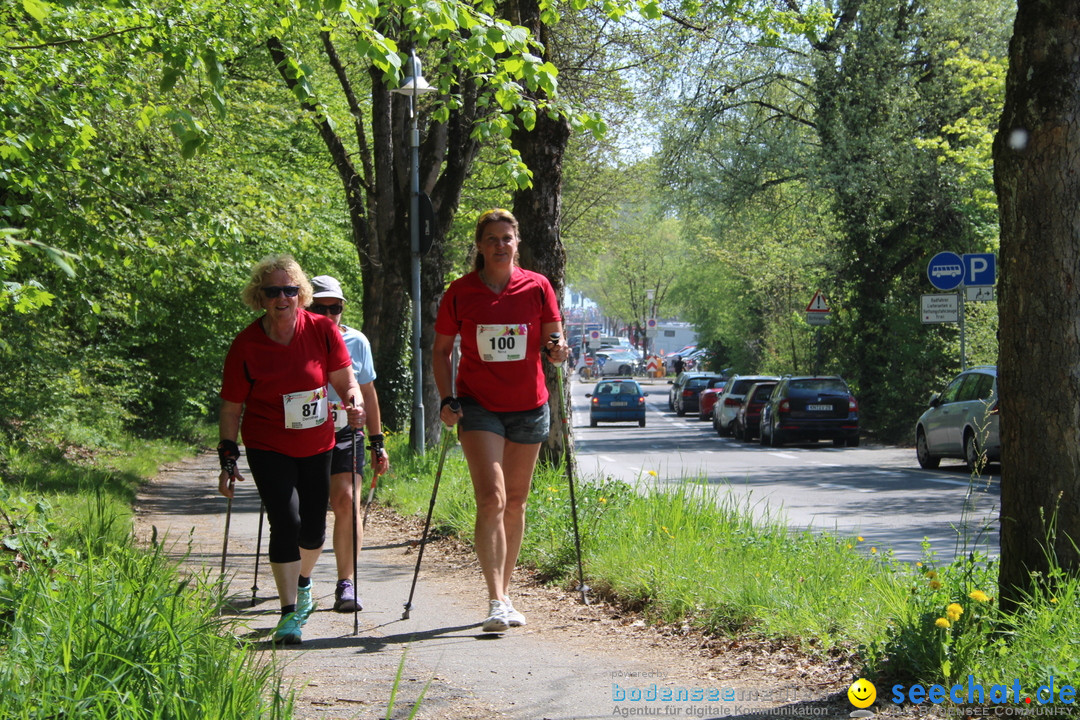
(441, 358)
(229, 430)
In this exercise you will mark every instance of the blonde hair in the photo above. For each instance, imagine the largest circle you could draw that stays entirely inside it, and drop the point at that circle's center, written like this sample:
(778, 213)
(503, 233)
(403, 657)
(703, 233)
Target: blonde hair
(485, 219)
(252, 295)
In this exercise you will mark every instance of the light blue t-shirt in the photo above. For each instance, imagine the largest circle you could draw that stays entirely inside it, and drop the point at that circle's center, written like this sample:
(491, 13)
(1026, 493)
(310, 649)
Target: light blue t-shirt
(360, 352)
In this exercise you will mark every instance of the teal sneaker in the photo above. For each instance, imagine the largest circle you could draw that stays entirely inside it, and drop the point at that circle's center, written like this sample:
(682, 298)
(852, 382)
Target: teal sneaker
(305, 604)
(287, 631)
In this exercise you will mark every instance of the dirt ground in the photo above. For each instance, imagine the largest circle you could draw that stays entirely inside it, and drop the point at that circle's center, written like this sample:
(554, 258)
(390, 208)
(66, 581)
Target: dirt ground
(571, 660)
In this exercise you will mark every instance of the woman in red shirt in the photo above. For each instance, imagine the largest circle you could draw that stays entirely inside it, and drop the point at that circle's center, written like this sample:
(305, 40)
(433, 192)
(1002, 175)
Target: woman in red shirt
(275, 378)
(505, 316)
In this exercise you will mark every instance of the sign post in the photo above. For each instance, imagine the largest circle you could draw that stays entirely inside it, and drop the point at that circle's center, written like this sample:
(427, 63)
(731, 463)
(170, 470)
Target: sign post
(974, 274)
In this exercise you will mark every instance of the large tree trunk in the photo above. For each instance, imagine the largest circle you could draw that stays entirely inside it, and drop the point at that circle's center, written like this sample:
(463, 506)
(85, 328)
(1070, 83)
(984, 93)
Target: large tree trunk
(1036, 153)
(538, 210)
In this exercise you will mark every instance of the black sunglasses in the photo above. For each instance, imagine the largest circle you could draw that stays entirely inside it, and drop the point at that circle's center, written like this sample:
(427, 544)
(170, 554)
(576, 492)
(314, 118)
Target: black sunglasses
(272, 291)
(334, 309)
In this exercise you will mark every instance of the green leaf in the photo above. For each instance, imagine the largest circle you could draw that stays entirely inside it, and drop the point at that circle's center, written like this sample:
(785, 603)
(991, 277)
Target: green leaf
(36, 9)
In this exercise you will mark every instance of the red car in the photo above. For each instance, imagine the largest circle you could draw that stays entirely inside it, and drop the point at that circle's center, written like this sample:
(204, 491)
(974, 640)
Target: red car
(707, 399)
(747, 422)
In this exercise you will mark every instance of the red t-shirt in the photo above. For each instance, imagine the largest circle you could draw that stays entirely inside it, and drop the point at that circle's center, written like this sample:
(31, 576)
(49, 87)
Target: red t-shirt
(500, 338)
(260, 372)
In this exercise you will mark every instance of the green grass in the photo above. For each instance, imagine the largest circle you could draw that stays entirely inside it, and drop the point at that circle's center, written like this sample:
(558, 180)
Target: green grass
(91, 626)
(690, 553)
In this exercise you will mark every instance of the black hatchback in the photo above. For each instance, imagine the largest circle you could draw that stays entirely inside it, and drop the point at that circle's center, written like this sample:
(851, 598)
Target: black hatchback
(811, 408)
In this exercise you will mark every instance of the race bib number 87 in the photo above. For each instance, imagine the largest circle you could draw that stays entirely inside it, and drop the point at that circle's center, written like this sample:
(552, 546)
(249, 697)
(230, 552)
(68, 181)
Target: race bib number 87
(306, 409)
(502, 343)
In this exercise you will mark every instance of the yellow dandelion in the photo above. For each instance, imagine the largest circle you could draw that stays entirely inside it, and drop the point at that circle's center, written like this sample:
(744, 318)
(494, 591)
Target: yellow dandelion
(603, 500)
(859, 538)
(942, 623)
(935, 585)
(1053, 599)
(954, 611)
(849, 546)
(931, 574)
(873, 550)
(653, 473)
(979, 596)
(918, 564)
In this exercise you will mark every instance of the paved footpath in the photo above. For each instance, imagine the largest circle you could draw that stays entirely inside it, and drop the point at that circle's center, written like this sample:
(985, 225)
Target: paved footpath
(571, 662)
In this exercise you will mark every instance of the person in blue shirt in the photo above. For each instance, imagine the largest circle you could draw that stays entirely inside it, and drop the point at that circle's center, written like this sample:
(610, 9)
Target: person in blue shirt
(328, 299)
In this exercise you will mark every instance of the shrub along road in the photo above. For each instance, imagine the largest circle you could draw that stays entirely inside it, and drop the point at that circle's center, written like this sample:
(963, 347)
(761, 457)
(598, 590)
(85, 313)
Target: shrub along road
(570, 661)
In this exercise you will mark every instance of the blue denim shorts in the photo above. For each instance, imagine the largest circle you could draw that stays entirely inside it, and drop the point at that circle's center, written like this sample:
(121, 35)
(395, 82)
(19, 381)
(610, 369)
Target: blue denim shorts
(525, 428)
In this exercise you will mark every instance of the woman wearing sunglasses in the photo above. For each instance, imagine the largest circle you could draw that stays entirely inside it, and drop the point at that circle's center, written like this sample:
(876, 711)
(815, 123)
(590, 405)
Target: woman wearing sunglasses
(275, 379)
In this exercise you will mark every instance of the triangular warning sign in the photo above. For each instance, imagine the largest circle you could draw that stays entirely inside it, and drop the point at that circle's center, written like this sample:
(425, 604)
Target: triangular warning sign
(818, 304)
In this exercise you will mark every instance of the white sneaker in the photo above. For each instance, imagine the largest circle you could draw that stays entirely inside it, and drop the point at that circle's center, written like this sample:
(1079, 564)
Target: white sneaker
(513, 617)
(496, 620)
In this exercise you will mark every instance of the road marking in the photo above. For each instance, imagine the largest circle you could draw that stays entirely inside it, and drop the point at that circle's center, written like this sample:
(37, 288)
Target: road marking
(784, 455)
(838, 486)
(949, 481)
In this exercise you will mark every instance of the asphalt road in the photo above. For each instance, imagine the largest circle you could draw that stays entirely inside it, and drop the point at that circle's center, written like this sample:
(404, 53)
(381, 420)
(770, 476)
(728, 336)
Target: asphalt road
(877, 492)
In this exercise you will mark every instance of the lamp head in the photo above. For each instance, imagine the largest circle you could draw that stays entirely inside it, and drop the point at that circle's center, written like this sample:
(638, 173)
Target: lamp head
(414, 84)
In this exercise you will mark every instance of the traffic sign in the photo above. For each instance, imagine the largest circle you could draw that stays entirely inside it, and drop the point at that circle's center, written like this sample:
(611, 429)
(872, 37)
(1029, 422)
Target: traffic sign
(817, 317)
(946, 271)
(980, 268)
(979, 293)
(650, 327)
(941, 308)
(817, 304)
(594, 338)
(589, 360)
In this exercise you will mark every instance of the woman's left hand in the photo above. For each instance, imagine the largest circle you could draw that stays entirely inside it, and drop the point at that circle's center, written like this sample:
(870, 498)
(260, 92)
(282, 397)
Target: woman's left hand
(557, 351)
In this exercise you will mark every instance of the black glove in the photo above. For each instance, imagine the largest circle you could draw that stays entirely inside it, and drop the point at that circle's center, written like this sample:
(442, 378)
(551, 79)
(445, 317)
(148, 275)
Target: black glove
(228, 453)
(375, 444)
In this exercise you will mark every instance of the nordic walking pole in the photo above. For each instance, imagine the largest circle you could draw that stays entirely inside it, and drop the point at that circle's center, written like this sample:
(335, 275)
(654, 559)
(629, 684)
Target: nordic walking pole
(569, 460)
(371, 490)
(228, 520)
(258, 552)
(355, 549)
(447, 441)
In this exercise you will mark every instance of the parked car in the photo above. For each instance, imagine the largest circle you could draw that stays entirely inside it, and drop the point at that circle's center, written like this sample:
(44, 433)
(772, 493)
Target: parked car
(611, 363)
(962, 421)
(810, 409)
(686, 399)
(729, 402)
(747, 420)
(677, 385)
(617, 401)
(707, 399)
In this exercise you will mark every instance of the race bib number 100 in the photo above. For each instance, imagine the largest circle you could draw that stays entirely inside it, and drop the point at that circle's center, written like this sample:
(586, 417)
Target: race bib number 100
(502, 343)
(306, 409)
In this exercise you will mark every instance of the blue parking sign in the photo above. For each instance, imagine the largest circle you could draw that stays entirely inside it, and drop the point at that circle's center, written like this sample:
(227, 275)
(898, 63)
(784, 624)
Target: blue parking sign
(946, 271)
(980, 269)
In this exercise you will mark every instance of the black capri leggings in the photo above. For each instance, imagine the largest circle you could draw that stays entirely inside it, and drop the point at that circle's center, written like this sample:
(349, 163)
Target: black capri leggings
(295, 492)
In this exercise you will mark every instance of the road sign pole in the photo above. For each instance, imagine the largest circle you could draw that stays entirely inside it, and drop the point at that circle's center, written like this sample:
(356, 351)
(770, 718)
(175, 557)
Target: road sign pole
(963, 352)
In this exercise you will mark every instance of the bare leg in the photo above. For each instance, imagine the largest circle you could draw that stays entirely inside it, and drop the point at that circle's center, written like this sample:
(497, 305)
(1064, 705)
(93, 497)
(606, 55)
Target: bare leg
(286, 577)
(519, 461)
(341, 501)
(484, 453)
(501, 474)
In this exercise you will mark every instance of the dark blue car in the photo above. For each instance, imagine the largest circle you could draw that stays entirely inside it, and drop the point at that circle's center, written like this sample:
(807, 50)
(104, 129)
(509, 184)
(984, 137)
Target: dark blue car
(617, 401)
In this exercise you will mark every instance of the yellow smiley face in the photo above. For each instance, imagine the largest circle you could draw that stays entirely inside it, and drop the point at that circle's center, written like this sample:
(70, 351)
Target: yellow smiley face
(862, 693)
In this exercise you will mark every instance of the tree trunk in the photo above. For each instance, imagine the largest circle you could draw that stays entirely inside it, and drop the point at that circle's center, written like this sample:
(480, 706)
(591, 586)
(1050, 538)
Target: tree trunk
(1036, 153)
(538, 210)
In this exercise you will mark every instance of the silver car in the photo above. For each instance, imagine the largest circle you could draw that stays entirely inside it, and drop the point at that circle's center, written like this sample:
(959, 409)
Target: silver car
(962, 421)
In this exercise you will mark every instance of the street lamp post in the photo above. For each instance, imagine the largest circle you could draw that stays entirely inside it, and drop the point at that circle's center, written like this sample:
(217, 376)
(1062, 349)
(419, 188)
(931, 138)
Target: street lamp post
(414, 85)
